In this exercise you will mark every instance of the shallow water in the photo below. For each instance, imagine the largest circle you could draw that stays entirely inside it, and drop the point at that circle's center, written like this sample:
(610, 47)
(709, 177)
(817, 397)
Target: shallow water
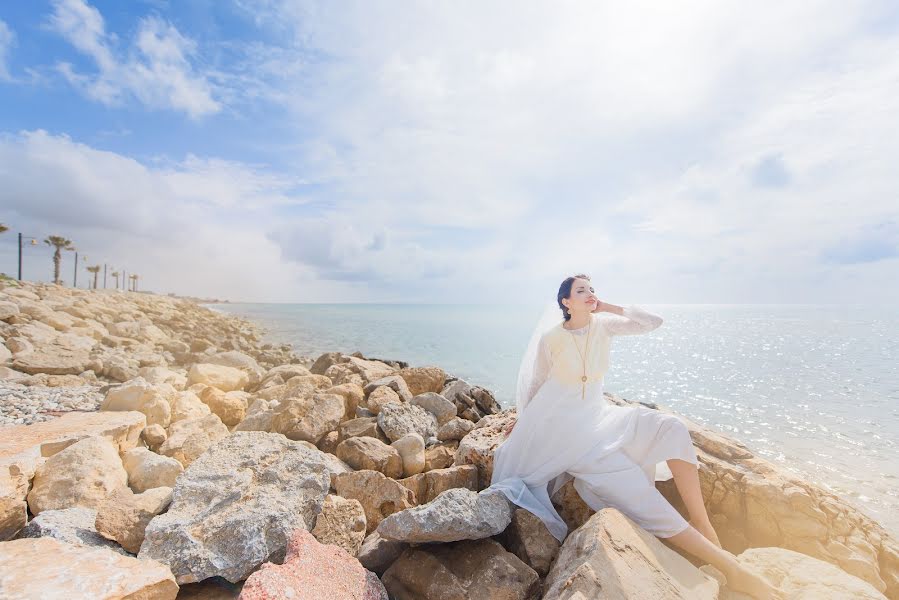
(812, 388)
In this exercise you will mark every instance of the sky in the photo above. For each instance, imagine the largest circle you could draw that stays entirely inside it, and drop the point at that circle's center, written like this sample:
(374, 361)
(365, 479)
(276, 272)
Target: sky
(473, 152)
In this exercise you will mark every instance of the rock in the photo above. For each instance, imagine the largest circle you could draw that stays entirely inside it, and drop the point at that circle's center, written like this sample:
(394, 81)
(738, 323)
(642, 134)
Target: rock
(8, 374)
(361, 426)
(358, 371)
(139, 395)
(423, 379)
(312, 571)
(394, 382)
(380, 397)
(468, 569)
(187, 405)
(154, 375)
(341, 523)
(307, 418)
(71, 525)
(241, 361)
(477, 447)
(441, 455)
(218, 376)
(571, 507)
(83, 474)
(13, 508)
(124, 515)
(236, 506)
(8, 309)
(431, 484)
(189, 439)
(454, 429)
(411, 448)
(801, 576)
(53, 359)
(528, 538)
(48, 568)
(377, 554)
(380, 496)
(442, 409)
(611, 557)
(19, 345)
(147, 470)
(153, 436)
(230, 409)
(352, 396)
(472, 402)
(5, 354)
(456, 514)
(370, 453)
(259, 416)
(329, 442)
(397, 420)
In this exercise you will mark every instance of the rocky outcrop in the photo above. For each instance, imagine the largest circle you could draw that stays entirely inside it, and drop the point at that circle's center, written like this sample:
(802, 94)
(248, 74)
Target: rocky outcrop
(47, 568)
(611, 557)
(236, 506)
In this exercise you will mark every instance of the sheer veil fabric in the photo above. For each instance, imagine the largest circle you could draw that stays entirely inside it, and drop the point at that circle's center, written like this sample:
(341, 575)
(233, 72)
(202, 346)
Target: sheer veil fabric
(555, 425)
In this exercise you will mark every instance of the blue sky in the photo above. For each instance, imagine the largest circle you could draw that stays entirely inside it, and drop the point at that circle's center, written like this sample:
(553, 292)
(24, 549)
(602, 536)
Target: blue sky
(294, 151)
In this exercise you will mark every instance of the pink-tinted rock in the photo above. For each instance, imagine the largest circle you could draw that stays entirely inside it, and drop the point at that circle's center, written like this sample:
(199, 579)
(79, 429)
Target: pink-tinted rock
(312, 571)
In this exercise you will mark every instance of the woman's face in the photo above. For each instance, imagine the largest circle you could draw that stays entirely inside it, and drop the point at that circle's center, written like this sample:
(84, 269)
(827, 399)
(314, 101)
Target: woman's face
(582, 298)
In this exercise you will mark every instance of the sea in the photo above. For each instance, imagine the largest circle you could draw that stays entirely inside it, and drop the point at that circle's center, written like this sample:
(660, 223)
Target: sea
(812, 388)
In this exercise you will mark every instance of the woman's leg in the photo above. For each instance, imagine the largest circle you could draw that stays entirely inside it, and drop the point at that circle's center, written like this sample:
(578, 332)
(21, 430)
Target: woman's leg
(686, 478)
(739, 578)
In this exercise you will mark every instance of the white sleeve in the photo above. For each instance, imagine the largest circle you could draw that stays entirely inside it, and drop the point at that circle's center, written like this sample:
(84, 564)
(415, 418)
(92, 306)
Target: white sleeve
(541, 368)
(634, 321)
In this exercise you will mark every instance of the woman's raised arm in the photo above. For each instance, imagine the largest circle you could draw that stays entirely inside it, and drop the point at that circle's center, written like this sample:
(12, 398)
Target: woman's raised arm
(627, 320)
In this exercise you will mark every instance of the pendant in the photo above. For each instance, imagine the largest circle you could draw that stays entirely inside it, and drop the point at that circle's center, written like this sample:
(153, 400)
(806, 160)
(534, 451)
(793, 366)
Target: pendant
(584, 378)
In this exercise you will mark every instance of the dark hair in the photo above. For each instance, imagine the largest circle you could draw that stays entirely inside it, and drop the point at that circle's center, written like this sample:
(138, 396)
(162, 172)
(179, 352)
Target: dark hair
(565, 292)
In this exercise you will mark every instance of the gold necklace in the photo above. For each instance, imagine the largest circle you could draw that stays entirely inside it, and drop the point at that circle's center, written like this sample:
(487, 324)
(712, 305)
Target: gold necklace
(583, 356)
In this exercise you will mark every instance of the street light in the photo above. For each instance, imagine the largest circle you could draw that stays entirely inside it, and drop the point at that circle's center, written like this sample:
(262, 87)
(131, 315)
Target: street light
(33, 242)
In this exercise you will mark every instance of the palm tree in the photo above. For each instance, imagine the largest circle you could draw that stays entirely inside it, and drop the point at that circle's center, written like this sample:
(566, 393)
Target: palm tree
(116, 275)
(133, 279)
(60, 243)
(95, 270)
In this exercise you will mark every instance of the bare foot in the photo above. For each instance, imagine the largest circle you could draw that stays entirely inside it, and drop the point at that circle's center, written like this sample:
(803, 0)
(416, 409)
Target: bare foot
(743, 580)
(706, 529)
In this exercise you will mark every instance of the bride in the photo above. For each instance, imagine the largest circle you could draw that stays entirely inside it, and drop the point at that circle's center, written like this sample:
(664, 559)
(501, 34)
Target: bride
(566, 430)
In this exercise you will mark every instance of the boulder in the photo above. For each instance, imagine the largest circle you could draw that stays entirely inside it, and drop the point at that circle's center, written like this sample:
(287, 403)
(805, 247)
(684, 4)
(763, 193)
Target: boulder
(454, 429)
(236, 506)
(370, 453)
(456, 514)
(431, 484)
(394, 382)
(441, 455)
(472, 402)
(312, 571)
(229, 406)
(155, 375)
(187, 405)
(48, 568)
(611, 557)
(352, 396)
(397, 420)
(528, 538)
(467, 569)
(380, 496)
(124, 515)
(380, 397)
(309, 418)
(361, 426)
(139, 395)
(411, 448)
(153, 436)
(70, 525)
(83, 474)
(13, 508)
(442, 409)
(147, 470)
(53, 359)
(8, 309)
(377, 554)
(218, 376)
(423, 379)
(189, 439)
(341, 523)
(241, 361)
(477, 447)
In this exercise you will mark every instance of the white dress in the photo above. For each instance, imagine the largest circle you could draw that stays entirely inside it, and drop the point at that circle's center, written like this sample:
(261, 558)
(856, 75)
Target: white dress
(610, 451)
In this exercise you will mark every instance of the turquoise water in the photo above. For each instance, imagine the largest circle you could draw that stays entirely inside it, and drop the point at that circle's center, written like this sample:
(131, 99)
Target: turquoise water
(812, 388)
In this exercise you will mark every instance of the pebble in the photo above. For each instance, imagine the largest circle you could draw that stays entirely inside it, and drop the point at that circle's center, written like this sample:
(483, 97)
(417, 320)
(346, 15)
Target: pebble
(24, 405)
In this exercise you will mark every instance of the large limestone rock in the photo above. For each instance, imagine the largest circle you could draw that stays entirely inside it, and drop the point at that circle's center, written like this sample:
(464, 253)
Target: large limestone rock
(189, 439)
(370, 453)
(411, 448)
(53, 359)
(431, 484)
(313, 571)
(352, 396)
(83, 474)
(380, 496)
(358, 371)
(71, 525)
(13, 508)
(423, 379)
(309, 418)
(801, 576)
(342, 523)
(468, 569)
(437, 405)
(398, 420)
(241, 361)
(611, 557)
(456, 514)
(454, 429)
(187, 405)
(394, 382)
(236, 506)
(48, 568)
(361, 426)
(477, 447)
(217, 376)
(472, 402)
(147, 470)
(528, 538)
(377, 554)
(124, 516)
(139, 395)
(230, 407)
(380, 397)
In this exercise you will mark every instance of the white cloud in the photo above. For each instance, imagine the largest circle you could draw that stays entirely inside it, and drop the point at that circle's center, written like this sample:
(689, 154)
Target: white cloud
(155, 70)
(7, 39)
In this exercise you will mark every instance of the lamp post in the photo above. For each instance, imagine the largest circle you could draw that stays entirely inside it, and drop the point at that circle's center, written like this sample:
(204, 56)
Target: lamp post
(33, 242)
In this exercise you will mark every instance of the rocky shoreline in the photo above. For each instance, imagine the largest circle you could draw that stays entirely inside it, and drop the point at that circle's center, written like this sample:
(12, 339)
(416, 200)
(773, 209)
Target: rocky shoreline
(153, 448)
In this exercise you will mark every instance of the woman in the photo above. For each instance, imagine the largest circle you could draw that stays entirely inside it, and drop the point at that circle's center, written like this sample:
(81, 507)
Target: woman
(566, 430)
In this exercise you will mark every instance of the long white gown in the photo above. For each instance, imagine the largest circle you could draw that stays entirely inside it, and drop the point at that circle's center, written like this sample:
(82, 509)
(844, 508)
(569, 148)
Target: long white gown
(610, 451)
